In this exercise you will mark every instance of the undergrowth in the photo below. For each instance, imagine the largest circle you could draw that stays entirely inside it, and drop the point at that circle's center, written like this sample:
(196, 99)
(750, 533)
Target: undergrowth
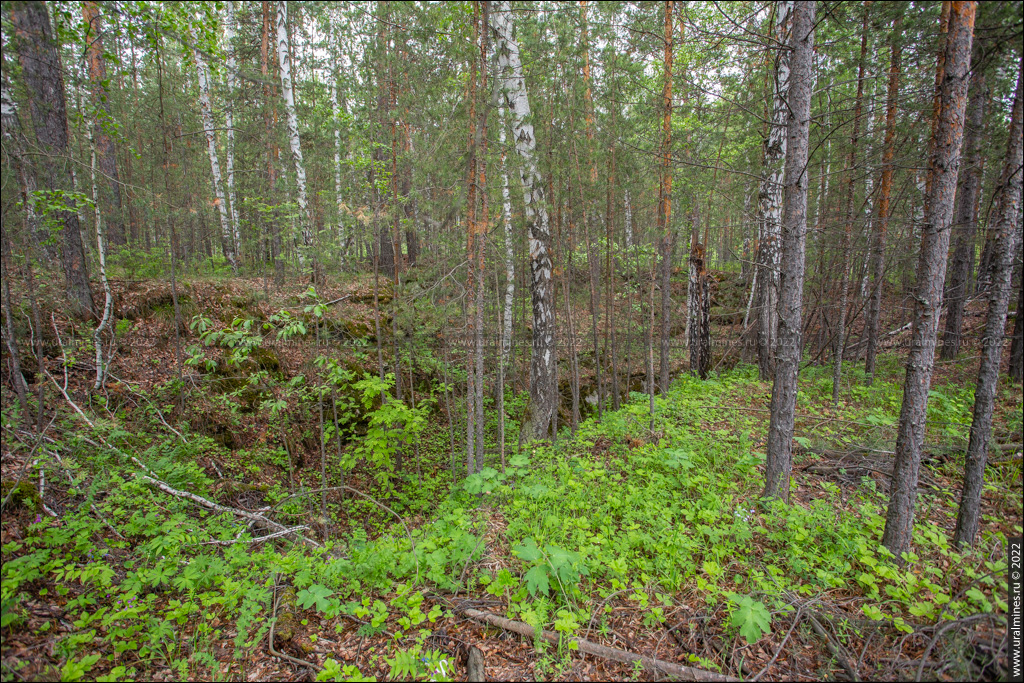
(659, 519)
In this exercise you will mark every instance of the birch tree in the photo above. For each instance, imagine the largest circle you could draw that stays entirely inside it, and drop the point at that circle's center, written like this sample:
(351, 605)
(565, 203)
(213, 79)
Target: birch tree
(101, 252)
(769, 206)
(794, 238)
(226, 233)
(543, 377)
(947, 135)
(288, 91)
(229, 119)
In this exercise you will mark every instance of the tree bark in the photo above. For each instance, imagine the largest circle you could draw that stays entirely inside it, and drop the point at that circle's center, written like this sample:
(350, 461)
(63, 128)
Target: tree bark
(287, 89)
(40, 67)
(1005, 229)
(947, 135)
(269, 126)
(779, 462)
(229, 120)
(885, 193)
(543, 377)
(1017, 346)
(110, 191)
(769, 206)
(966, 216)
(226, 232)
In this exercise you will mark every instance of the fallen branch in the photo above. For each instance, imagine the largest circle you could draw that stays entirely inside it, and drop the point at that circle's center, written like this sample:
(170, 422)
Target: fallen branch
(259, 539)
(782, 645)
(833, 647)
(210, 505)
(684, 673)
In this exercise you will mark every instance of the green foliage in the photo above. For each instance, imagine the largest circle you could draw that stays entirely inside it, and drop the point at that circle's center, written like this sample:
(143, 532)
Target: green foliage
(750, 617)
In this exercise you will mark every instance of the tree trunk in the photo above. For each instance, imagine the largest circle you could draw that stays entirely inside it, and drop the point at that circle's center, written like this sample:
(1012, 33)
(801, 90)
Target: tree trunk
(269, 126)
(779, 462)
(1005, 229)
(700, 327)
(229, 118)
(510, 268)
(40, 67)
(665, 202)
(287, 89)
(110, 191)
(543, 377)
(10, 337)
(1017, 346)
(101, 252)
(885, 193)
(769, 207)
(839, 345)
(966, 217)
(226, 233)
(947, 134)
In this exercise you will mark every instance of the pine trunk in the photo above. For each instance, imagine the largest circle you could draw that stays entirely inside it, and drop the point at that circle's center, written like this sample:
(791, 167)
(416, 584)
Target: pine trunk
(41, 70)
(947, 135)
(1005, 229)
(665, 202)
(885, 194)
(110, 190)
(966, 217)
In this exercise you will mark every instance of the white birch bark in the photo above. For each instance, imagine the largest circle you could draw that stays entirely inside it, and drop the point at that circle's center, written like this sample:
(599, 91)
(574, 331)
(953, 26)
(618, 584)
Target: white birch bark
(628, 219)
(101, 250)
(337, 156)
(287, 89)
(510, 268)
(769, 220)
(229, 35)
(543, 377)
(227, 236)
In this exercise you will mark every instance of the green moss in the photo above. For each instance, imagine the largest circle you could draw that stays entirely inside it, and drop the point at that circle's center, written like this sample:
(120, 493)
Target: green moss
(25, 495)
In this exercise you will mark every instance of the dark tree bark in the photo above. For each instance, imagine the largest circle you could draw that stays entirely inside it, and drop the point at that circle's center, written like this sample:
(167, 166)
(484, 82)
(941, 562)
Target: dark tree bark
(700, 317)
(794, 236)
(110, 188)
(10, 337)
(40, 64)
(966, 217)
(947, 135)
(1005, 229)
(884, 195)
(1017, 346)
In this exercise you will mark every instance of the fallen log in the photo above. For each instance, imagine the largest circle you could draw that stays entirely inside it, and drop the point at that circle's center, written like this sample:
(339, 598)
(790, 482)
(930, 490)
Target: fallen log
(683, 673)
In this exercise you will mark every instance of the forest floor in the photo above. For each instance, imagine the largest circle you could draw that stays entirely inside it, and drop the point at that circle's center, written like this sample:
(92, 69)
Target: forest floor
(164, 540)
